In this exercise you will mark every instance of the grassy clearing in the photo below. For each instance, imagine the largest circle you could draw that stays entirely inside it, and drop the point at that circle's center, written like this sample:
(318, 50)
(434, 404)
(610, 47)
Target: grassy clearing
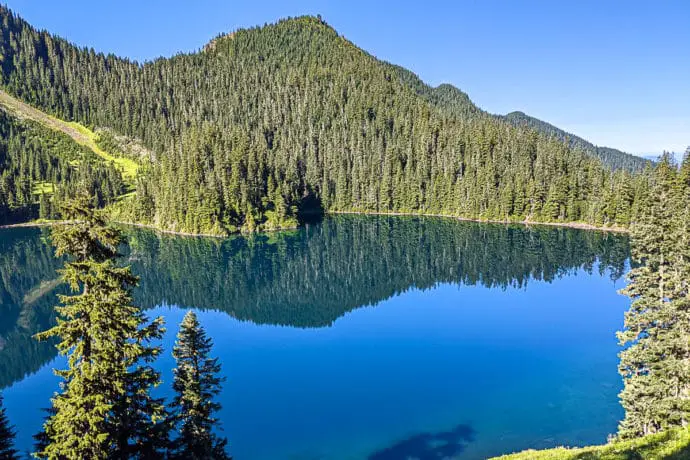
(126, 166)
(669, 445)
(81, 134)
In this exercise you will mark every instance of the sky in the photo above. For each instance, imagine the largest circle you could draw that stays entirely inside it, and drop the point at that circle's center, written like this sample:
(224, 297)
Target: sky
(612, 71)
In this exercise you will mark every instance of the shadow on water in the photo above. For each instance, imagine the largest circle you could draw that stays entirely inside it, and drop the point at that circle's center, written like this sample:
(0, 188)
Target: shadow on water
(429, 446)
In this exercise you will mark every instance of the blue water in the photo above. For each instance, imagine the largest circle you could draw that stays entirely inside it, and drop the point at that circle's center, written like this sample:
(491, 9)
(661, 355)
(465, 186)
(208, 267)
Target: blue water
(522, 356)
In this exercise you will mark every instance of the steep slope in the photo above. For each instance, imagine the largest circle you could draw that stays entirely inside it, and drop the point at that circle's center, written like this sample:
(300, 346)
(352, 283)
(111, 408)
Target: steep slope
(454, 102)
(38, 163)
(615, 158)
(445, 97)
(290, 116)
(80, 134)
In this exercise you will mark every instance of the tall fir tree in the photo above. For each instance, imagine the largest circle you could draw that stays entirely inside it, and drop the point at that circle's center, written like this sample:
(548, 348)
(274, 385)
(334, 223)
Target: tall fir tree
(196, 384)
(7, 433)
(104, 409)
(656, 363)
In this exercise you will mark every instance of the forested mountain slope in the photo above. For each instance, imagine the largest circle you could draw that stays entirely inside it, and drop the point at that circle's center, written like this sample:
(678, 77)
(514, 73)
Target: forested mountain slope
(80, 134)
(453, 101)
(445, 97)
(266, 121)
(612, 157)
(39, 165)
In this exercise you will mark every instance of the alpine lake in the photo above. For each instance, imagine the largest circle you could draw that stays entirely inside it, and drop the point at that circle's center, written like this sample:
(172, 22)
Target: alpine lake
(360, 337)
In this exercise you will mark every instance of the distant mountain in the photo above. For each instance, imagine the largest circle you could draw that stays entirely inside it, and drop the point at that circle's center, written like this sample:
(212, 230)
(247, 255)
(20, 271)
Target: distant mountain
(446, 97)
(610, 156)
(267, 123)
(452, 100)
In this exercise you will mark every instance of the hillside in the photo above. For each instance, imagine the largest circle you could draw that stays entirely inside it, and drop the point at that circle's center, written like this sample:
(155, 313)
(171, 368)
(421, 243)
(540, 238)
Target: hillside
(612, 157)
(271, 122)
(40, 164)
(446, 98)
(80, 134)
(454, 102)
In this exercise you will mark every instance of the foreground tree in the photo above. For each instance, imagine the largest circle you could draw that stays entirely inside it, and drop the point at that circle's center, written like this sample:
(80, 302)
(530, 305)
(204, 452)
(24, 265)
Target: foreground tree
(7, 451)
(104, 409)
(196, 385)
(656, 363)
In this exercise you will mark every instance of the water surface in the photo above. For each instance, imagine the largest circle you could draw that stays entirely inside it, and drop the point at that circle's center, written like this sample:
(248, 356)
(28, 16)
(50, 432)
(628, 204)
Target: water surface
(364, 337)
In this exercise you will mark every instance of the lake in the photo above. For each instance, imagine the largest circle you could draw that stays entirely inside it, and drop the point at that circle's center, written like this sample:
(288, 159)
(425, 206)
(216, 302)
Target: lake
(373, 338)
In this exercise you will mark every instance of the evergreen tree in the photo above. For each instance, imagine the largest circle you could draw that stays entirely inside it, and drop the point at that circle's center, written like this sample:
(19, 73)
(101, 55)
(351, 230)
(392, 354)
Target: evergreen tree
(656, 363)
(7, 451)
(104, 409)
(196, 384)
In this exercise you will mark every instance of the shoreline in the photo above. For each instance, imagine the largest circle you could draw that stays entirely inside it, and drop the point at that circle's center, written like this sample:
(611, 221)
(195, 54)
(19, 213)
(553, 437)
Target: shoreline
(33, 224)
(147, 226)
(172, 232)
(526, 223)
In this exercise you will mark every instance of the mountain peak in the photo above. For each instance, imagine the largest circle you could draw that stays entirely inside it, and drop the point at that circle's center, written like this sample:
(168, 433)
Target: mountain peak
(297, 22)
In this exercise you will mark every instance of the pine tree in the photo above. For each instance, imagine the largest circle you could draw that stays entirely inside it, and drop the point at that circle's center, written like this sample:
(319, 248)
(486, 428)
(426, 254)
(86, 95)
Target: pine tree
(680, 337)
(104, 409)
(656, 364)
(7, 451)
(196, 384)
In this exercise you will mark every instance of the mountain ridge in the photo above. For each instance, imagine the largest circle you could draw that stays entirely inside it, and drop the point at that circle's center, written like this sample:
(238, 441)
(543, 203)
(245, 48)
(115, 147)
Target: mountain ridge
(614, 157)
(291, 117)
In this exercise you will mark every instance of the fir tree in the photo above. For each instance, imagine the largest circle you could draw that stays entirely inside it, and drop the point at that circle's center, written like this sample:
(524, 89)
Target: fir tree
(656, 364)
(104, 409)
(7, 451)
(196, 385)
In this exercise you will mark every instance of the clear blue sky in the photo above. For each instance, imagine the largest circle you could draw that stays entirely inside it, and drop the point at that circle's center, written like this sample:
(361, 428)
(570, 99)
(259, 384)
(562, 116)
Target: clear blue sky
(614, 72)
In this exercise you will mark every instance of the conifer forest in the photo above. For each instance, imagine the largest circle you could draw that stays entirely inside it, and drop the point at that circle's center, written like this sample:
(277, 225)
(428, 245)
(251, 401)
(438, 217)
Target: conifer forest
(255, 144)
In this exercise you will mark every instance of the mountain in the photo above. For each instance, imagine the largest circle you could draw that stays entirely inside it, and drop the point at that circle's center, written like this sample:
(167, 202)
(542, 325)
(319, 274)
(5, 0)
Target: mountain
(453, 101)
(677, 156)
(445, 97)
(268, 123)
(612, 157)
